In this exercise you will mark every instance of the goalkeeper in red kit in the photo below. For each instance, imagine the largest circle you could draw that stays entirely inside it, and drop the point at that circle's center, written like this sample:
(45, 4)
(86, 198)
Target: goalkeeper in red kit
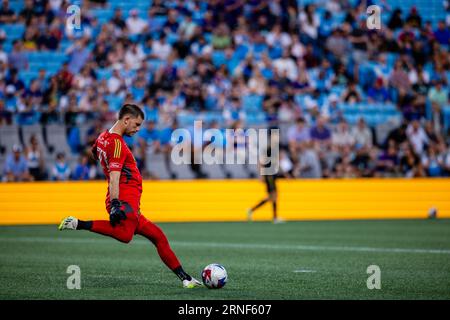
(124, 193)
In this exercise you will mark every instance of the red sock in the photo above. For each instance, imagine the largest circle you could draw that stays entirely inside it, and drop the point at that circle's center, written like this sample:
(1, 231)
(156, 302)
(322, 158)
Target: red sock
(159, 239)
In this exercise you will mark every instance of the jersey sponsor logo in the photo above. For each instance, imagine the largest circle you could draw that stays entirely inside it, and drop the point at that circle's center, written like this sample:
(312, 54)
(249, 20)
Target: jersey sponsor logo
(114, 165)
(117, 148)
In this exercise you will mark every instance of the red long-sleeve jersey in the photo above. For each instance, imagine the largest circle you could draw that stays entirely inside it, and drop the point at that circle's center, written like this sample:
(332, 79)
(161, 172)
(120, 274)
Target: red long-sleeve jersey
(114, 155)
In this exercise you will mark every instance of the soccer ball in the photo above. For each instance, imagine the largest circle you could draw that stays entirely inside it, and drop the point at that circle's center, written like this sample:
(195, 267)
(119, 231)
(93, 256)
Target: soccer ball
(214, 276)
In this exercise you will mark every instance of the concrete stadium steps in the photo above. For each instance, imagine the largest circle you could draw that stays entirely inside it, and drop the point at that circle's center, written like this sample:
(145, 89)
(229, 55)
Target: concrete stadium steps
(228, 200)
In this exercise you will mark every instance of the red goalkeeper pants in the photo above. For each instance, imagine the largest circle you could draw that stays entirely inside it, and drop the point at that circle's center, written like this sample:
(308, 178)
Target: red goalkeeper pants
(138, 224)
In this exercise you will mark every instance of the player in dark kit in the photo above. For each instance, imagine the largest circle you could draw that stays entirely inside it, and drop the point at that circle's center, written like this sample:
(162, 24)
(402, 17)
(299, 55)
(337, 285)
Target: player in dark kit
(124, 194)
(270, 182)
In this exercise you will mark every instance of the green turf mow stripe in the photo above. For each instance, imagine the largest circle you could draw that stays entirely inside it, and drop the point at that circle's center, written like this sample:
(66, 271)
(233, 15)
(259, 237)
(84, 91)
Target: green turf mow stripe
(236, 245)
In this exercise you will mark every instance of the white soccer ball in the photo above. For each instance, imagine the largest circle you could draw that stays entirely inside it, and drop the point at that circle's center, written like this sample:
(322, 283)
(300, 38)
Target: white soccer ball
(214, 276)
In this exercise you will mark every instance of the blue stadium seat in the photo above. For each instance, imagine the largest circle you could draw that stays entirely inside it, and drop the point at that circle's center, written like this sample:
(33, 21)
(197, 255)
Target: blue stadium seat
(27, 76)
(114, 102)
(218, 58)
(255, 118)
(155, 64)
(187, 119)
(138, 93)
(104, 73)
(180, 63)
(252, 103)
(13, 31)
(16, 5)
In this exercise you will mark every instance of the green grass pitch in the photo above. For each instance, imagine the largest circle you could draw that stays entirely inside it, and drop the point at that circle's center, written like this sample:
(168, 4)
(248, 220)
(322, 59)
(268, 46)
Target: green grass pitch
(294, 260)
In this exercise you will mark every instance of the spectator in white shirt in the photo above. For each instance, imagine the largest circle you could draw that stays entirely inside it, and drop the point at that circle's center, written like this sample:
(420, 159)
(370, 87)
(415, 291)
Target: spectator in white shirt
(342, 136)
(309, 21)
(161, 49)
(187, 28)
(278, 38)
(286, 64)
(362, 134)
(417, 137)
(115, 82)
(135, 24)
(134, 56)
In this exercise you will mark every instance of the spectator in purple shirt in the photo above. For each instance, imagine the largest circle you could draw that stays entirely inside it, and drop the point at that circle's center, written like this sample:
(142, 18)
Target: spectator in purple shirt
(79, 53)
(320, 134)
(17, 58)
(298, 134)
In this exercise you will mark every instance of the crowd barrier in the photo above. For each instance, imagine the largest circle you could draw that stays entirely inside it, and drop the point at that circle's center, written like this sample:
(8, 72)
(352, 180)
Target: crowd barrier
(228, 200)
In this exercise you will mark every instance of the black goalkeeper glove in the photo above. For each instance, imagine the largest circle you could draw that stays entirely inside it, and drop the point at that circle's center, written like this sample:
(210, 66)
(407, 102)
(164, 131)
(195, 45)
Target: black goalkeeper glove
(117, 214)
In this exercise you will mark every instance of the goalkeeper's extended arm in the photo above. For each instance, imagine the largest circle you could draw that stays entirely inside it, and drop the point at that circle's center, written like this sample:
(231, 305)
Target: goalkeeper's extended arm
(116, 214)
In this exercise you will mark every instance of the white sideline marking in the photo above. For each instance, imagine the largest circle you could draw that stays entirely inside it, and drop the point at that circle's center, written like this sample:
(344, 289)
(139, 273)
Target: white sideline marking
(233, 245)
(304, 271)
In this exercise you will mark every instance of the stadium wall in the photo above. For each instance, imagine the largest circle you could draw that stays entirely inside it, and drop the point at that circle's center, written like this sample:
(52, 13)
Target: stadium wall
(215, 200)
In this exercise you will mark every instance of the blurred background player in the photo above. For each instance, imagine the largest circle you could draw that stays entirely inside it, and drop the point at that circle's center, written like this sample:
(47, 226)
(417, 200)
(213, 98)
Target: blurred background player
(267, 161)
(124, 193)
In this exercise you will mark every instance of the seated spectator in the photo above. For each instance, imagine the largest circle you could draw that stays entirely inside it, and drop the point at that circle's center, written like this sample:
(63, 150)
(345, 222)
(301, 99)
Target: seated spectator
(342, 136)
(442, 34)
(5, 114)
(387, 162)
(286, 165)
(398, 135)
(296, 135)
(148, 142)
(417, 137)
(351, 94)
(309, 23)
(35, 159)
(134, 56)
(232, 110)
(82, 169)
(7, 15)
(286, 64)
(27, 13)
(14, 80)
(61, 170)
(320, 134)
(414, 19)
(221, 39)
(171, 25)
(399, 77)
(308, 165)
(17, 58)
(431, 163)
(378, 92)
(79, 54)
(135, 24)
(362, 135)
(396, 20)
(16, 167)
(438, 94)
(330, 110)
(160, 48)
(166, 145)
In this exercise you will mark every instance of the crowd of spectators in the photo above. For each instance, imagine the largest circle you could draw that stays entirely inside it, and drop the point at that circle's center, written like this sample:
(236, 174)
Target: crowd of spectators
(208, 55)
